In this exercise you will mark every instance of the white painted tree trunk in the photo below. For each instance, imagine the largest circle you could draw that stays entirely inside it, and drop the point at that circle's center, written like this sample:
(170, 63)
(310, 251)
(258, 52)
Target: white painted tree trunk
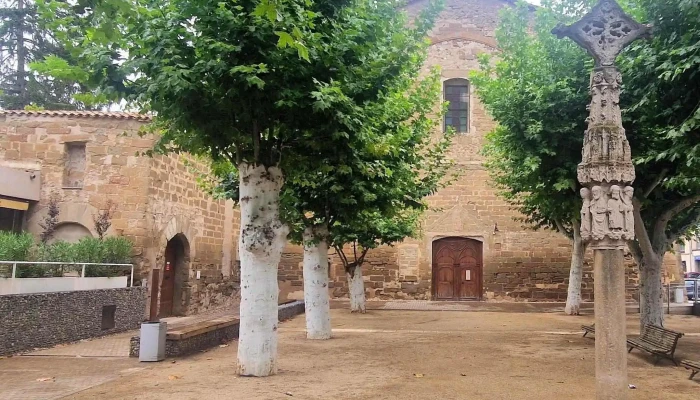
(357, 290)
(573, 297)
(316, 298)
(261, 242)
(651, 306)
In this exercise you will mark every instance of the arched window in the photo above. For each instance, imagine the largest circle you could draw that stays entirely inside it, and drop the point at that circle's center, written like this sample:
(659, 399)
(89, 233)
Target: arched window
(456, 91)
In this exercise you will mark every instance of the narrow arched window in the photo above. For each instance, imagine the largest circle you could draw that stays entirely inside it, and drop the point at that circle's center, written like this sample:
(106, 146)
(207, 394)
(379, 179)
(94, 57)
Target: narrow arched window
(456, 91)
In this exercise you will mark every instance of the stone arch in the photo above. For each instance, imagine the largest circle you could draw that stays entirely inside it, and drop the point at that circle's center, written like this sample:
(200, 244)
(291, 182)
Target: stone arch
(464, 35)
(70, 213)
(177, 225)
(70, 232)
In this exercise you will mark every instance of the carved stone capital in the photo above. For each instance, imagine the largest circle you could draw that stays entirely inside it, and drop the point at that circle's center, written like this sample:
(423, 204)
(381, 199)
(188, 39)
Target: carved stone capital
(607, 217)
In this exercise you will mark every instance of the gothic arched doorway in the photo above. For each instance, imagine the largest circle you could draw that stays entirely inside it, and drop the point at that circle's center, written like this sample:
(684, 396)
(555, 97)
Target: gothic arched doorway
(457, 269)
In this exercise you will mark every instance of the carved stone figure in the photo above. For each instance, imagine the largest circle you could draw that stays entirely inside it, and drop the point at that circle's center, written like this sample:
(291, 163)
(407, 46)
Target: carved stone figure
(586, 214)
(627, 196)
(599, 213)
(616, 213)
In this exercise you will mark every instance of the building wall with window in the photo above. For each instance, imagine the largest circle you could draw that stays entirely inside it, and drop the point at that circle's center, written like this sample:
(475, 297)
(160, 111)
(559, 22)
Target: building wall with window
(89, 160)
(690, 255)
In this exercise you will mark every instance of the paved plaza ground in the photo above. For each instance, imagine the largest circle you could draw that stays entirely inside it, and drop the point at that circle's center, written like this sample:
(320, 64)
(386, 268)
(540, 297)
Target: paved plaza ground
(400, 354)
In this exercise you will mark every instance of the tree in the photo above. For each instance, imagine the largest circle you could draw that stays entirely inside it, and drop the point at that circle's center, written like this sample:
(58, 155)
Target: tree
(376, 196)
(660, 117)
(368, 194)
(536, 89)
(24, 40)
(244, 82)
(663, 119)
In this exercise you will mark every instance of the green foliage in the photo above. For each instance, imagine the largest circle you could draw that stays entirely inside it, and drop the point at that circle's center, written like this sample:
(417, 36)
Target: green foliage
(14, 247)
(662, 83)
(55, 252)
(225, 80)
(23, 247)
(117, 250)
(368, 185)
(24, 40)
(538, 89)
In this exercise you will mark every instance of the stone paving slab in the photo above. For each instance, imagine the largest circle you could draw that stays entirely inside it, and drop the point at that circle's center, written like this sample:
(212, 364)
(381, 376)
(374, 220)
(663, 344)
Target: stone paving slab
(106, 346)
(48, 378)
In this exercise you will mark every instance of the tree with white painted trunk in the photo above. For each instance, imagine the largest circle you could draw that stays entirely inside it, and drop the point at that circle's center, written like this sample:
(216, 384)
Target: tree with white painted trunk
(260, 87)
(573, 297)
(538, 91)
(316, 297)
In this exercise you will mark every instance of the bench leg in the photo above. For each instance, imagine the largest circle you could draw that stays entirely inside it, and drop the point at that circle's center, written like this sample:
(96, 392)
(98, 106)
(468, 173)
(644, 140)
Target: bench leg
(630, 350)
(692, 374)
(585, 333)
(674, 360)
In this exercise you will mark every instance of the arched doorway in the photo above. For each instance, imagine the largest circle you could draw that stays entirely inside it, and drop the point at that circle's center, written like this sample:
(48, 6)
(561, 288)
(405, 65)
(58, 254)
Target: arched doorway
(174, 276)
(457, 269)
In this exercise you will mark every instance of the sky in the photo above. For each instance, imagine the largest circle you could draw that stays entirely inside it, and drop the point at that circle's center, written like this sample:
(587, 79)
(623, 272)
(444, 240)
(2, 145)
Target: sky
(536, 2)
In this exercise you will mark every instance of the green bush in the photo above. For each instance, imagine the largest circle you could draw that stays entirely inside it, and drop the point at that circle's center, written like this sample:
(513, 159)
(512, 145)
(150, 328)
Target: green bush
(23, 247)
(59, 251)
(15, 246)
(117, 249)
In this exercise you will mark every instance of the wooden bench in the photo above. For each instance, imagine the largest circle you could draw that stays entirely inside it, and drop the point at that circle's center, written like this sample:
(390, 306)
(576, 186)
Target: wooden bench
(693, 366)
(656, 340)
(588, 329)
(201, 328)
(182, 339)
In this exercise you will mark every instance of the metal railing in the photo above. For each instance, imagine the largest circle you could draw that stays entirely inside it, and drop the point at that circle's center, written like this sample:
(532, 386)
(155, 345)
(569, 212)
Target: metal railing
(82, 266)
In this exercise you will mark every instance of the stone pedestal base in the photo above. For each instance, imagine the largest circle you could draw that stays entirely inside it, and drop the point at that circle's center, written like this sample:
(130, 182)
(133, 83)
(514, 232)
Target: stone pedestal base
(610, 340)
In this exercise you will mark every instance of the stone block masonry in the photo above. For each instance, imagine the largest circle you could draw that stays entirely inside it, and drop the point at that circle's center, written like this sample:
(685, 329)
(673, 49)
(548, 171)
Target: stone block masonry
(91, 159)
(29, 321)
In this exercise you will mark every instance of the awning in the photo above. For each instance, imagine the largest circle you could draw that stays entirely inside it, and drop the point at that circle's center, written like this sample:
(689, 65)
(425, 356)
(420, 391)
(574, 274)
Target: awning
(14, 204)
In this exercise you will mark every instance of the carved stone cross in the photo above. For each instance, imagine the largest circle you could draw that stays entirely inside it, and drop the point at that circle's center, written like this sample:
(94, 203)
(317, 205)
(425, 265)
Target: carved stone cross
(606, 168)
(605, 31)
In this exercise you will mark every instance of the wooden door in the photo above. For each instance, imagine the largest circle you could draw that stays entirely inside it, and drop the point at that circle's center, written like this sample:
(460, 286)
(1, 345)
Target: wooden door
(457, 269)
(167, 287)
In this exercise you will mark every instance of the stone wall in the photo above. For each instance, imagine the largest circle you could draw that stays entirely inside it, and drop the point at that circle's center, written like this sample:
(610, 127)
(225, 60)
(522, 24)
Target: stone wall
(155, 199)
(46, 319)
(178, 206)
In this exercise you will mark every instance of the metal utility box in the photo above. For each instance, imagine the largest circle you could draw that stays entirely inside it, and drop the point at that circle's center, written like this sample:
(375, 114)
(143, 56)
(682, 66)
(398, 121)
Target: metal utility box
(152, 342)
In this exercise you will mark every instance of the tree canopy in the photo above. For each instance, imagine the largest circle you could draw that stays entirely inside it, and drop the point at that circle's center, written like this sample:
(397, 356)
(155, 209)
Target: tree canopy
(537, 90)
(25, 39)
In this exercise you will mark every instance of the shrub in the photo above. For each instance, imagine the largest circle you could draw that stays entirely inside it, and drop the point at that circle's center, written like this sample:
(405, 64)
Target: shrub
(117, 249)
(23, 247)
(59, 251)
(15, 246)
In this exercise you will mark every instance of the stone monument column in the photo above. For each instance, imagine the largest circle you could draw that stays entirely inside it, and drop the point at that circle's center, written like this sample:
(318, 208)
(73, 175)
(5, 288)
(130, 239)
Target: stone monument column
(606, 172)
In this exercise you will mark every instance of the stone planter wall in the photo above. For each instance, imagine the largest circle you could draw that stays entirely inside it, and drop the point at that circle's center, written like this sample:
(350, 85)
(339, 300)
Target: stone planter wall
(38, 320)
